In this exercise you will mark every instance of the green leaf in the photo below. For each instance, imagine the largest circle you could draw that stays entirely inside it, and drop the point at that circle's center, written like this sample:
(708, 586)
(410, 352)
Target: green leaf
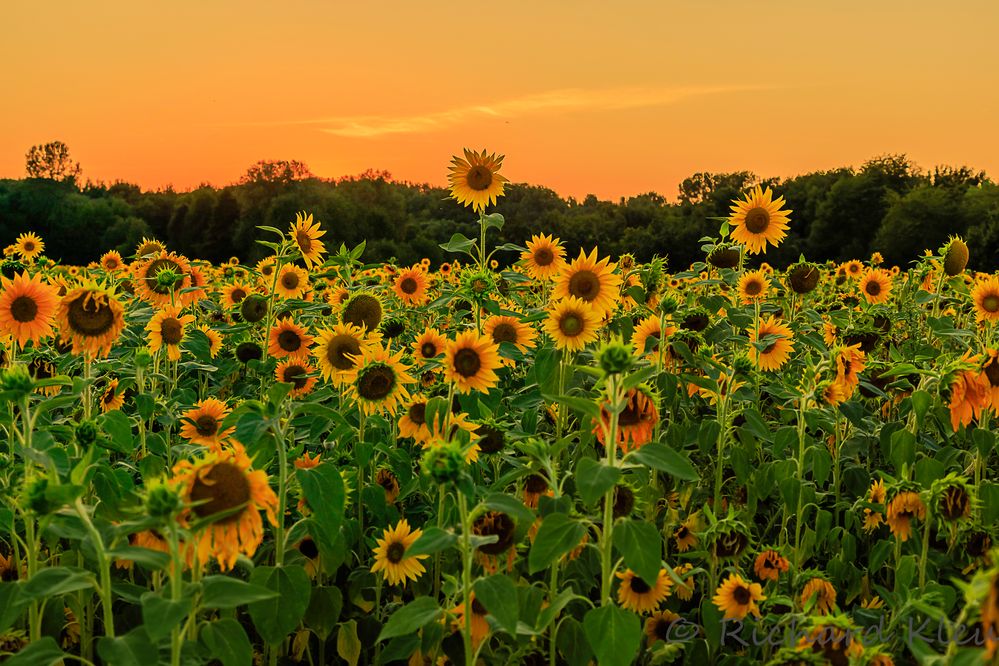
(433, 540)
(43, 652)
(226, 640)
(594, 478)
(498, 595)
(161, 615)
(150, 559)
(614, 635)
(989, 495)
(409, 618)
(276, 618)
(511, 506)
(641, 545)
(119, 429)
(557, 535)
(324, 609)
(133, 649)
(226, 592)
(12, 602)
(664, 459)
(327, 498)
(920, 403)
(458, 243)
(55, 581)
(903, 449)
(348, 645)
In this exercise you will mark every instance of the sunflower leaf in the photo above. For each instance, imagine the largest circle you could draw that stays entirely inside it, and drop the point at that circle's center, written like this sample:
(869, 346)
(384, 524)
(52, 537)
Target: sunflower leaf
(557, 535)
(409, 618)
(641, 545)
(614, 635)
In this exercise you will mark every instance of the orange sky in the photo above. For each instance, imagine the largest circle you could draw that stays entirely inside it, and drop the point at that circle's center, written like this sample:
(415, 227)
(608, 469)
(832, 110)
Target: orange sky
(610, 98)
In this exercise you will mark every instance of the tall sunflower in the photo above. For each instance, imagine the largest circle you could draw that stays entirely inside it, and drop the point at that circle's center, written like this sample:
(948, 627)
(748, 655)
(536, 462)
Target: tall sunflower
(641, 596)
(410, 286)
(470, 361)
(753, 286)
(475, 180)
(589, 280)
(90, 319)
(306, 235)
(429, 345)
(390, 554)
(222, 484)
(378, 382)
(288, 339)
(544, 256)
(29, 246)
(758, 219)
(338, 349)
(572, 324)
(202, 424)
(27, 308)
(292, 282)
(985, 296)
(875, 286)
(166, 329)
(776, 354)
(737, 598)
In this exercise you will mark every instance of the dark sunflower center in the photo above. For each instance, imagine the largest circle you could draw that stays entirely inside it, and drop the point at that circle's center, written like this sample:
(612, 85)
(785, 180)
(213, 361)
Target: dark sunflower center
(363, 310)
(408, 286)
(682, 532)
(289, 341)
(499, 524)
(206, 425)
(155, 268)
(304, 242)
(29, 246)
(376, 383)
(478, 608)
(24, 309)
(639, 586)
(479, 177)
(504, 333)
(584, 285)
(224, 488)
(741, 595)
(536, 484)
(630, 415)
(873, 287)
(769, 349)
(238, 295)
(753, 287)
(110, 264)
(295, 374)
(418, 413)
(428, 350)
(467, 362)
(395, 552)
(171, 331)
(339, 351)
(661, 629)
(757, 220)
(991, 303)
(544, 256)
(571, 324)
(290, 280)
(91, 320)
(992, 372)
(108, 396)
(308, 548)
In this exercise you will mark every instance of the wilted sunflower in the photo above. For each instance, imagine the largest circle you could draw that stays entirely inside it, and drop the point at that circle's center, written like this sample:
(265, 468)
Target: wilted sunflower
(875, 285)
(904, 506)
(753, 286)
(429, 345)
(758, 219)
(306, 235)
(298, 373)
(222, 484)
(166, 329)
(737, 598)
(777, 352)
(641, 596)
(362, 309)
(821, 593)
(589, 280)
(478, 622)
(233, 294)
(410, 286)
(110, 398)
(770, 564)
(214, 339)
(475, 180)
(337, 350)
(150, 279)
(112, 262)
(203, 423)
(288, 339)
(378, 381)
(390, 554)
(544, 256)
(292, 282)
(985, 296)
(470, 361)
(90, 319)
(970, 393)
(876, 494)
(636, 422)
(27, 308)
(503, 328)
(572, 324)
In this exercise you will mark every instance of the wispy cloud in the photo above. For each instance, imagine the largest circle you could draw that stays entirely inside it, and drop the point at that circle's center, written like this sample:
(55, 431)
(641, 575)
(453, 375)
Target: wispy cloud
(569, 100)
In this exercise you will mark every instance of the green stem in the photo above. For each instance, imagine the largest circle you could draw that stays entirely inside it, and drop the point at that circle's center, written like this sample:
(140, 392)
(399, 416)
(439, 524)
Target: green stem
(279, 545)
(801, 483)
(607, 530)
(103, 565)
(927, 526)
(466, 574)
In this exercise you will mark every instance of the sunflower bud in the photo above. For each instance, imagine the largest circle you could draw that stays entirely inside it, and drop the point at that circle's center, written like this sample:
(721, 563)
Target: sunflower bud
(669, 304)
(724, 256)
(955, 257)
(743, 366)
(253, 308)
(443, 462)
(16, 382)
(86, 434)
(393, 327)
(143, 358)
(167, 278)
(478, 285)
(163, 501)
(616, 358)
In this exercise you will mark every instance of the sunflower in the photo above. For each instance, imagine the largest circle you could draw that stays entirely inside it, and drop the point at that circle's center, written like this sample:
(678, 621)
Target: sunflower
(876, 494)
(390, 555)
(777, 352)
(478, 622)
(162, 278)
(544, 256)
(589, 280)
(635, 594)
(475, 180)
(222, 484)
(659, 625)
(288, 339)
(821, 594)
(234, 294)
(110, 398)
(166, 329)
(904, 506)
(298, 372)
(990, 617)
(970, 393)
(266, 267)
(502, 328)
(985, 296)
(737, 598)
(758, 219)
(389, 482)
(90, 319)
(470, 361)
(850, 362)
(306, 235)
(411, 286)
(203, 423)
(753, 286)
(503, 527)
(685, 590)
(292, 282)
(378, 381)
(572, 323)
(112, 262)
(636, 421)
(769, 565)
(875, 285)
(27, 308)
(429, 345)
(337, 350)
(991, 371)
(686, 534)
(214, 339)
(30, 246)
(648, 335)
(853, 269)
(148, 247)
(362, 309)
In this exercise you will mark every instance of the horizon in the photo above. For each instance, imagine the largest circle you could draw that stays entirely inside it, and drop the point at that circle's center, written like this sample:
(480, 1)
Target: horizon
(611, 103)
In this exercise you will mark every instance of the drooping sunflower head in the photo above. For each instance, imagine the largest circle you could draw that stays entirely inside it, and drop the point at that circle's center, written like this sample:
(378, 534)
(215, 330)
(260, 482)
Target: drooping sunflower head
(362, 309)
(724, 256)
(803, 277)
(475, 180)
(90, 320)
(379, 381)
(955, 254)
(498, 524)
(759, 219)
(306, 234)
(770, 564)
(902, 509)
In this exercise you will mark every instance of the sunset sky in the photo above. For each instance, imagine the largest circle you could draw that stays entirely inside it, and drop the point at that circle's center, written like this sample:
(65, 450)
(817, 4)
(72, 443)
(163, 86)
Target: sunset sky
(609, 98)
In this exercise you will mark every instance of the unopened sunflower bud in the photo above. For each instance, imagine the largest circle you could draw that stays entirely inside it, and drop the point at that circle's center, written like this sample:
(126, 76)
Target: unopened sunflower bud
(143, 358)
(16, 382)
(616, 358)
(163, 501)
(86, 433)
(443, 462)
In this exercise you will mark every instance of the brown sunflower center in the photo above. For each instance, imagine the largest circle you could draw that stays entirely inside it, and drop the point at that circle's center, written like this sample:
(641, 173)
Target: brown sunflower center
(238, 294)
(873, 287)
(340, 350)
(111, 264)
(303, 240)
(395, 552)
(497, 523)
(289, 280)
(467, 362)
(308, 548)
(682, 532)
(24, 309)
(428, 350)
(639, 586)
(89, 316)
(29, 246)
(753, 287)
(741, 595)
(408, 286)
(418, 413)
(536, 484)
(584, 285)
(224, 488)
(289, 340)
(363, 310)
(992, 372)
(757, 220)
(479, 177)
(206, 425)
(570, 324)
(478, 608)
(544, 256)
(991, 303)
(505, 333)
(295, 374)
(376, 383)
(171, 330)
(661, 629)
(630, 415)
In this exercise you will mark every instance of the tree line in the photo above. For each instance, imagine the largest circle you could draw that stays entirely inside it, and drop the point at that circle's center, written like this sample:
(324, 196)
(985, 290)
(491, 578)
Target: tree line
(888, 205)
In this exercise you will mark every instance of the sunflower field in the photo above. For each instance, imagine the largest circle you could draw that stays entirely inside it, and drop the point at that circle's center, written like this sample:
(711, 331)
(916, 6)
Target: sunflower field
(517, 457)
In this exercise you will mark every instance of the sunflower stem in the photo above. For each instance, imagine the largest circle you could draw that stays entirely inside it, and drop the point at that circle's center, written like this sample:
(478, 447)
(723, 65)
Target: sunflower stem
(607, 531)
(798, 559)
(104, 567)
(466, 575)
(927, 525)
(279, 545)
